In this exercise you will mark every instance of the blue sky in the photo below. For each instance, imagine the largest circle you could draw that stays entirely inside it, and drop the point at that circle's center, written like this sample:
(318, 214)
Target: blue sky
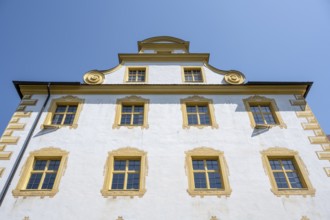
(274, 40)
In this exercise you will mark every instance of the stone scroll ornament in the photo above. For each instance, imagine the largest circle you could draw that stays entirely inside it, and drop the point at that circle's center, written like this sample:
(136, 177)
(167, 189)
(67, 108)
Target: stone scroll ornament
(94, 77)
(234, 77)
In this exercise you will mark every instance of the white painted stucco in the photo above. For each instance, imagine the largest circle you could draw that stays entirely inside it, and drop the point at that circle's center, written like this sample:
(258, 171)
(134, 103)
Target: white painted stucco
(163, 73)
(165, 142)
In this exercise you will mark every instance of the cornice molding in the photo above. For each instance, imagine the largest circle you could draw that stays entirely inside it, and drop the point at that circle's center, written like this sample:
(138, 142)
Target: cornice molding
(190, 57)
(164, 89)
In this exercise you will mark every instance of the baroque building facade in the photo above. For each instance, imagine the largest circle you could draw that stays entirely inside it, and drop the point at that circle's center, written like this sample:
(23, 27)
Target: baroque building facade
(164, 135)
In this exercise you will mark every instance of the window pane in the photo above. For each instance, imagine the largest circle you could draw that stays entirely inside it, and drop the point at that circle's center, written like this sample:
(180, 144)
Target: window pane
(192, 120)
(258, 119)
(204, 119)
(288, 164)
(215, 180)
(191, 109)
(69, 119)
(34, 181)
(198, 164)
(131, 78)
(294, 180)
(39, 164)
(269, 119)
(72, 108)
(200, 180)
(254, 108)
(54, 164)
(212, 164)
(60, 108)
(265, 108)
(275, 165)
(134, 165)
(138, 119)
(141, 78)
(197, 76)
(188, 77)
(138, 108)
(203, 109)
(133, 181)
(57, 119)
(118, 181)
(49, 181)
(281, 181)
(125, 119)
(120, 165)
(126, 108)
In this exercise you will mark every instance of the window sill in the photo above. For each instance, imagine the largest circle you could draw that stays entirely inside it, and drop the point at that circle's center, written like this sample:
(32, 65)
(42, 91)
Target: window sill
(293, 192)
(115, 193)
(41, 193)
(131, 126)
(209, 192)
(50, 126)
(200, 126)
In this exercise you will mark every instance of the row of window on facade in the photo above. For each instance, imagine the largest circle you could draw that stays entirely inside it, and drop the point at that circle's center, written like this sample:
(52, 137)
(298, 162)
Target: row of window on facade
(139, 74)
(126, 172)
(197, 111)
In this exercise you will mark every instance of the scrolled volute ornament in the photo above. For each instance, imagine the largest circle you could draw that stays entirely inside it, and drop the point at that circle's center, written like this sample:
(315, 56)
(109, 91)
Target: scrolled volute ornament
(94, 77)
(234, 77)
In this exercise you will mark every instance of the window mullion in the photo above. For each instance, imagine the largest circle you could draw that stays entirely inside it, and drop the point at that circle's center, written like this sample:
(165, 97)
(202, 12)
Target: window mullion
(206, 175)
(197, 112)
(132, 115)
(262, 115)
(43, 175)
(126, 175)
(285, 174)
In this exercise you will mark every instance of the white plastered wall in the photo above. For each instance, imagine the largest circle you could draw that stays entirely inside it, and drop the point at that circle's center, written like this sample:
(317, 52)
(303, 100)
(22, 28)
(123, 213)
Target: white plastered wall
(165, 141)
(163, 73)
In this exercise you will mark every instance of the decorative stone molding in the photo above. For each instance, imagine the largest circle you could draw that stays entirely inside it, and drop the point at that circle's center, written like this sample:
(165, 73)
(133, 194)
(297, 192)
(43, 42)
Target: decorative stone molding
(2, 169)
(14, 126)
(312, 124)
(5, 155)
(94, 77)
(234, 77)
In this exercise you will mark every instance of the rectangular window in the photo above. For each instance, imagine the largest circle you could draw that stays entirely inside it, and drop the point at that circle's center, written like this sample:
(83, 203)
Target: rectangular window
(64, 114)
(262, 114)
(43, 174)
(136, 75)
(198, 114)
(207, 174)
(285, 173)
(126, 174)
(193, 75)
(132, 115)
